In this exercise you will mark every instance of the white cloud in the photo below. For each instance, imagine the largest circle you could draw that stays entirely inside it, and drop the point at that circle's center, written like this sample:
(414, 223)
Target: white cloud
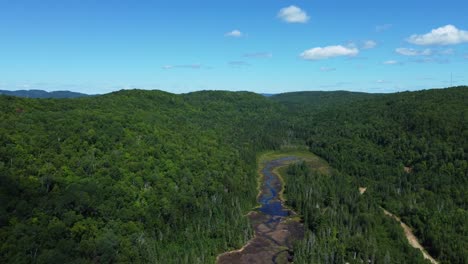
(414, 52)
(391, 62)
(235, 34)
(369, 44)
(327, 69)
(328, 52)
(293, 14)
(446, 35)
(384, 27)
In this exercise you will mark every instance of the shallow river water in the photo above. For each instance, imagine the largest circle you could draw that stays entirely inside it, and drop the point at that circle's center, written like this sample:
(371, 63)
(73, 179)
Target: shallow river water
(275, 233)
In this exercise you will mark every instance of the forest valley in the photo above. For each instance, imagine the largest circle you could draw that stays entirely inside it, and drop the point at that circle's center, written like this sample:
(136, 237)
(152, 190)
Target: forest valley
(151, 177)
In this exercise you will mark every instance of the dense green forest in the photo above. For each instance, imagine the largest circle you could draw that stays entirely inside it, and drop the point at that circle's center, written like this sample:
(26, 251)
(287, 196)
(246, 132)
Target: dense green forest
(43, 94)
(152, 177)
(408, 148)
(343, 226)
(134, 176)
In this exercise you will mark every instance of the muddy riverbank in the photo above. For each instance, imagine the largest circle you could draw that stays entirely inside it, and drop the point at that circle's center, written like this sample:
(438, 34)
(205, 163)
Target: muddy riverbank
(273, 224)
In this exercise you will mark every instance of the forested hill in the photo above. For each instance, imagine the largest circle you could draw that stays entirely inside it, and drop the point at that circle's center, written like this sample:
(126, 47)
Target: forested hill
(409, 149)
(320, 99)
(129, 177)
(43, 94)
(148, 176)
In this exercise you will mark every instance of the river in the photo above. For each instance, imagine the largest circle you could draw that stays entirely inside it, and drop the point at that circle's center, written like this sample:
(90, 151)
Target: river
(275, 230)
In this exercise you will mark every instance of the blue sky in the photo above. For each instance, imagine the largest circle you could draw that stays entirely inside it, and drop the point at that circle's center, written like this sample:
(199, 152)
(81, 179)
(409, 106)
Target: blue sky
(270, 46)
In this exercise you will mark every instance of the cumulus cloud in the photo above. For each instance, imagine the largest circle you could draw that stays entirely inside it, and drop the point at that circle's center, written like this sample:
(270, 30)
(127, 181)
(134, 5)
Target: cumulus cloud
(258, 55)
(293, 14)
(446, 35)
(328, 52)
(369, 44)
(391, 62)
(327, 69)
(413, 52)
(235, 34)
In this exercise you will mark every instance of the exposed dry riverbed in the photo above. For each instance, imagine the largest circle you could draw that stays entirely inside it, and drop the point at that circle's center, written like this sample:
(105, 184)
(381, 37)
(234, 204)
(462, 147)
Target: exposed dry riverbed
(273, 224)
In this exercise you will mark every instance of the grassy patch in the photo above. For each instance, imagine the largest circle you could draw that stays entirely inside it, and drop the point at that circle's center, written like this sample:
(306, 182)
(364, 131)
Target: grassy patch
(312, 160)
(315, 162)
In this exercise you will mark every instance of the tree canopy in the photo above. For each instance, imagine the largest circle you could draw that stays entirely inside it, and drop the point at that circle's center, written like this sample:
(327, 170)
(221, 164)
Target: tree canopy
(152, 177)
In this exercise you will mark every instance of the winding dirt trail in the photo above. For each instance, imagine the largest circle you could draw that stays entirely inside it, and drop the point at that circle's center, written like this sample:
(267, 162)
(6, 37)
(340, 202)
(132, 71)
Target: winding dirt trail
(275, 231)
(412, 239)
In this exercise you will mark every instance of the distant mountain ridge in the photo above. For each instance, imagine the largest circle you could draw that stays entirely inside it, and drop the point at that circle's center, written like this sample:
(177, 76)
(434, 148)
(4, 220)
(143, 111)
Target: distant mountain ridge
(43, 94)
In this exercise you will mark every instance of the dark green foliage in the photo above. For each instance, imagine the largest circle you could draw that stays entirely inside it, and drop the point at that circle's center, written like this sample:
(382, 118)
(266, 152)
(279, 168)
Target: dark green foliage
(373, 140)
(342, 225)
(43, 94)
(306, 101)
(153, 177)
(133, 176)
